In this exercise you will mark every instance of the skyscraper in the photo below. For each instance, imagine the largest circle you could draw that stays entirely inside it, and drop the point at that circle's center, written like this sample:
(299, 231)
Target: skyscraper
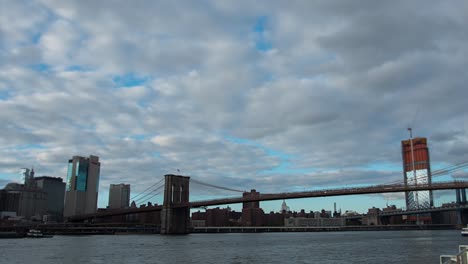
(416, 170)
(119, 195)
(81, 191)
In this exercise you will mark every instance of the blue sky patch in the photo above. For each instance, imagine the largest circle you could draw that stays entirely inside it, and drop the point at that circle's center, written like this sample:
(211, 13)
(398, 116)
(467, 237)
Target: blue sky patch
(382, 166)
(259, 26)
(262, 43)
(30, 146)
(78, 68)
(40, 67)
(285, 165)
(4, 95)
(129, 80)
(242, 141)
(139, 137)
(7, 177)
(36, 37)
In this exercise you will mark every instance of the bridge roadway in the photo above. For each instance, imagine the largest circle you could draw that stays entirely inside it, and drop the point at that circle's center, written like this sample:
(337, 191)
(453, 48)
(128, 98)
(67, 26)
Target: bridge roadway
(334, 192)
(289, 195)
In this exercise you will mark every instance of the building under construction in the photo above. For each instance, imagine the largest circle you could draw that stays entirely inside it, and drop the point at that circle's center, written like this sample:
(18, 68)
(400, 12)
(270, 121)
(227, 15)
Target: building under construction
(416, 171)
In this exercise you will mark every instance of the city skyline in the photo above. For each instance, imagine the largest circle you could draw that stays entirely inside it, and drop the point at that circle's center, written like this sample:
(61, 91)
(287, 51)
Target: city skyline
(81, 178)
(246, 95)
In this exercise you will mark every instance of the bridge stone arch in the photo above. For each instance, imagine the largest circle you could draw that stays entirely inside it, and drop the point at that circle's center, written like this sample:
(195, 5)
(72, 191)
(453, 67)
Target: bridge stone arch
(175, 214)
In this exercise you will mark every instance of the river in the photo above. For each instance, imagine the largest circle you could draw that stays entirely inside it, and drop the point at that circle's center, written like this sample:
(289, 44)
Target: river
(317, 247)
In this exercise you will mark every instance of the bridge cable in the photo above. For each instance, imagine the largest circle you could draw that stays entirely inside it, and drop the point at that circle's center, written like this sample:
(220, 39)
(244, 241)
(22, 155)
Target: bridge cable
(454, 168)
(215, 186)
(149, 193)
(151, 197)
(146, 195)
(437, 173)
(133, 198)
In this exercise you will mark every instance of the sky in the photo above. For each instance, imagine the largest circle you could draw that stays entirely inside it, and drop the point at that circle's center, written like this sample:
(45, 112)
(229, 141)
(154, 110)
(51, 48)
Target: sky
(268, 95)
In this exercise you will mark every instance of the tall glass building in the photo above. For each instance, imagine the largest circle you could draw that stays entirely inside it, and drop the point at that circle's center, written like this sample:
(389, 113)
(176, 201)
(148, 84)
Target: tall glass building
(82, 186)
(416, 171)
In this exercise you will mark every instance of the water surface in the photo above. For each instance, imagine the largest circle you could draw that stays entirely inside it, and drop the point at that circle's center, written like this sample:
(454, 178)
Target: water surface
(325, 247)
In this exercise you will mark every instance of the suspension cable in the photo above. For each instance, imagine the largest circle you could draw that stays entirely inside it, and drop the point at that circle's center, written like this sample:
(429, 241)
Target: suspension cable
(439, 172)
(151, 197)
(146, 195)
(451, 169)
(214, 186)
(133, 198)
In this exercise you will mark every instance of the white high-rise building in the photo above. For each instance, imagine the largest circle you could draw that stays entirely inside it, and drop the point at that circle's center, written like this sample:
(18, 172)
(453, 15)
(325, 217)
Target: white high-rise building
(284, 207)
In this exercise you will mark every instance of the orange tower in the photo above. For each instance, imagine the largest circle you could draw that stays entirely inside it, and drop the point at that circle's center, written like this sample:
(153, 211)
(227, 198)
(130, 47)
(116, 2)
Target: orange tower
(416, 170)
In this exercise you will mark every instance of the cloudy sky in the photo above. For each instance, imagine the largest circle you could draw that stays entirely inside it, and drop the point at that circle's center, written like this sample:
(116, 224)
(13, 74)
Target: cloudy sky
(271, 95)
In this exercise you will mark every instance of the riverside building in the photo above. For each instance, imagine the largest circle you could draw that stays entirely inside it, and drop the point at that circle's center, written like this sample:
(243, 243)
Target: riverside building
(119, 196)
(54, 187)
(82, 186)
(24, 200)
(416, 170)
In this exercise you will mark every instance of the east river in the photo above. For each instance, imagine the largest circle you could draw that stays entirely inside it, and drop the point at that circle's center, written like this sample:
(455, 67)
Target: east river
(325, 247)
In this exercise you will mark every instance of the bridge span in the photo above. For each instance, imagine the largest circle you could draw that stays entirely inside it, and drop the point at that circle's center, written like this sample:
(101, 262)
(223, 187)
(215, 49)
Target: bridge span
(333, 192)
(170, 205)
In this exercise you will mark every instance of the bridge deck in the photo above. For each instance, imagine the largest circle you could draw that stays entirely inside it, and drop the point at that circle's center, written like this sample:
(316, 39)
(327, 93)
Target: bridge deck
(288, 195)
(334, 192)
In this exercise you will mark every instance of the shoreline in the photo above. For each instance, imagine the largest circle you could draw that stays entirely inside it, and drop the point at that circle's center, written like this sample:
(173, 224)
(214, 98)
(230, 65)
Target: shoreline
(266, 229)
(121, 230)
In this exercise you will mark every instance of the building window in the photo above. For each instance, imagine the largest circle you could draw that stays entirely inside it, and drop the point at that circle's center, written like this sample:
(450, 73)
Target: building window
(82, 176)
(98, 175)
(69, 175)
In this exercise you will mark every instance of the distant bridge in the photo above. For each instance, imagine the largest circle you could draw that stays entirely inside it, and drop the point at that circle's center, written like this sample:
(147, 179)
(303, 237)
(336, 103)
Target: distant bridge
(412, 212)
(422, 211)
(178, 199)
(333, 192)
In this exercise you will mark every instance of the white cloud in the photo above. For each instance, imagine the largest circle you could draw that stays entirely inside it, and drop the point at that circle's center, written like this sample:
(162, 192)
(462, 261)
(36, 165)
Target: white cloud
(60, 43)
(163, 140)
(460, 174)
(334, 93)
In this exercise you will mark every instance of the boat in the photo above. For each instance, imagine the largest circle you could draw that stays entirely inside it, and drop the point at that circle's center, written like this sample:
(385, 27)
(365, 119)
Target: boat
(34, 233)
(464, 231)
(460, 258)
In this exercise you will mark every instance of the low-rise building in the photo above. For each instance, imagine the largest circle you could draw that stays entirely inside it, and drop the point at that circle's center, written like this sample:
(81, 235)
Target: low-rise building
(30, 202)
(317, 222)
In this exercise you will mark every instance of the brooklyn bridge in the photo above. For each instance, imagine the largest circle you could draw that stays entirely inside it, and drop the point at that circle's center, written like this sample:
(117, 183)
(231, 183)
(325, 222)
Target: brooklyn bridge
(175, 210)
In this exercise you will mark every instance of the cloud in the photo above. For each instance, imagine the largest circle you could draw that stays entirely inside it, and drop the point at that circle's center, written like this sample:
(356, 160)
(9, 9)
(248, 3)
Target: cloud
(441, 136)
(390, 197)
(460, 174)
(60, 42)
(152, 87)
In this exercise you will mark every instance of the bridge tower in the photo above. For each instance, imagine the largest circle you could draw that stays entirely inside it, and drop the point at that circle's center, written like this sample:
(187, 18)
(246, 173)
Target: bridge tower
(175, 215)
